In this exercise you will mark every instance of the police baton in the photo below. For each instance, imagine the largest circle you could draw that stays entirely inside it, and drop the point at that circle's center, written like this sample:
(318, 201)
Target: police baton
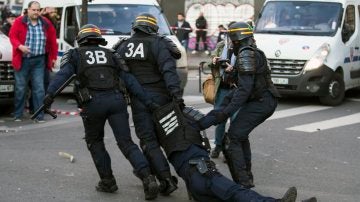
(58, 91)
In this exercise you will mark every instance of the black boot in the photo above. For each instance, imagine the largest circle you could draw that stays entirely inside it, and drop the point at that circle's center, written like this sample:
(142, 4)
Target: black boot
(289, 196)
(215, 152)
(312, 199)
(250, 175)
(107, 185)
(151, 188)
(168, 185)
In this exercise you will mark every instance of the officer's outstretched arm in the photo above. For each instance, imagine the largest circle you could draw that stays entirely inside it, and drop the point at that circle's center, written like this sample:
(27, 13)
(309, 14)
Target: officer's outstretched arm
(135, 88)
(167, 67)
(245, 63)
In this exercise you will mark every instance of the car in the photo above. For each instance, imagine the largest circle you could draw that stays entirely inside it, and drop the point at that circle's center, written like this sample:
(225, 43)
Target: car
(7, 78)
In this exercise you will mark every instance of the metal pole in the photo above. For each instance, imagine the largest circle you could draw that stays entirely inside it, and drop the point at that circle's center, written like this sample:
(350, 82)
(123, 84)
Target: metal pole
(200, 65)
(84, 16)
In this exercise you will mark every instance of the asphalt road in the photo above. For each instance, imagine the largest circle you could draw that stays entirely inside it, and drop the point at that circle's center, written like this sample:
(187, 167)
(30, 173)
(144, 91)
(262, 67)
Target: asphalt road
(304, 144)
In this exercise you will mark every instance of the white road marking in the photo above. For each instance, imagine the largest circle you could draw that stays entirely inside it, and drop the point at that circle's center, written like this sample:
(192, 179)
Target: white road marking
(354, 99)
(327, 124)
(296, 111)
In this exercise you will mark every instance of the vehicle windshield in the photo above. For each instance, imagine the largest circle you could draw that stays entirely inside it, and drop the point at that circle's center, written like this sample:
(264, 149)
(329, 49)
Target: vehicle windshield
(300, 18)
(115, 19)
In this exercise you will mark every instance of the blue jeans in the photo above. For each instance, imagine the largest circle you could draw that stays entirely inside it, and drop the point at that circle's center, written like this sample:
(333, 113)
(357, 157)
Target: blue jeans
(31, 69)
(220, 128)
(185, 43)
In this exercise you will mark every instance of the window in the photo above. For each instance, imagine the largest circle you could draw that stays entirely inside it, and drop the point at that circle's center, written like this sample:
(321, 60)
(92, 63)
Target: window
(348, 28)
(71, 26)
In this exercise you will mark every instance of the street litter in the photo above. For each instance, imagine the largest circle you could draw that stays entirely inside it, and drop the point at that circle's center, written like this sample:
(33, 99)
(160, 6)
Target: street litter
(67, 155)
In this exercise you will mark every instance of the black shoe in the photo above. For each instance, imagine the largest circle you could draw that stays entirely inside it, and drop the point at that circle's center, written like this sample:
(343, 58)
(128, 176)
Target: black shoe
(312, 199)
(215, 152)
(151, 188)
(290, 195)
(168, 185)
(107, 185)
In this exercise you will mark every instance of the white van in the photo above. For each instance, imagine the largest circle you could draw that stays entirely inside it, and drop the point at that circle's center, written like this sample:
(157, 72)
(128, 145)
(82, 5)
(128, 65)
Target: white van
(114, 18)
(312, 46)
(7, 78)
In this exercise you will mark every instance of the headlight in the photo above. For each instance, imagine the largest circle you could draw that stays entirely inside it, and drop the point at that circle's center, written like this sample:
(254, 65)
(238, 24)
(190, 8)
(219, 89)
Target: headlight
(318, 58)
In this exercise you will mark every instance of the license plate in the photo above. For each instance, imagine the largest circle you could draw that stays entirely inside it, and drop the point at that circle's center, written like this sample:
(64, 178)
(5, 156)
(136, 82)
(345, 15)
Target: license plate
(6, 88)
(280, 80)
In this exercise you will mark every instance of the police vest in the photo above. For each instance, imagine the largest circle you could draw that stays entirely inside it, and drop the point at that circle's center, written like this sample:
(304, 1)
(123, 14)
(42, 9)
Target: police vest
(138, 54)
(97, 70)
(173, 131)
(262, 77)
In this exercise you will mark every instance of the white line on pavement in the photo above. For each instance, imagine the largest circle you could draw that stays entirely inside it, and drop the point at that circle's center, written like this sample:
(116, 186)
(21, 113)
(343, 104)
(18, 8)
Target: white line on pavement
(296, 111)
(331, 123)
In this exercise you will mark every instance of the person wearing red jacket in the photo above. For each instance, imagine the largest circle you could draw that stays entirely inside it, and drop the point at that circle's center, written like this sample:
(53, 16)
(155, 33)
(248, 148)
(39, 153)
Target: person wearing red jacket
(34, 48)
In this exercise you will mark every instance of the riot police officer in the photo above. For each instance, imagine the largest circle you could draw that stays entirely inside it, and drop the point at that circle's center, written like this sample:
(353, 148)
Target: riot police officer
(101, 81)
(151, 59)
(255, 99)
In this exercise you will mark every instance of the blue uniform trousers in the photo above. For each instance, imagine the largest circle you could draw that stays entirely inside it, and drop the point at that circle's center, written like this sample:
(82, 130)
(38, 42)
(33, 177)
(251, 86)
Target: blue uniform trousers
(215, 188)
(111, 106)
(146, 132)
(249, 116)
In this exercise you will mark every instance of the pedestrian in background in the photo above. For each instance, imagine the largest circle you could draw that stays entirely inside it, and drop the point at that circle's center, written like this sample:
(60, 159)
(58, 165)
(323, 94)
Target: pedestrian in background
(9, 21)
(222, 33)
(224, 76)
(201, 32)
(182, 29)
(34, 48)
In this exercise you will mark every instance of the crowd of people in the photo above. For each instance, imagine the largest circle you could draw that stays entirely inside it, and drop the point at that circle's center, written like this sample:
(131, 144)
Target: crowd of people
(142, 68)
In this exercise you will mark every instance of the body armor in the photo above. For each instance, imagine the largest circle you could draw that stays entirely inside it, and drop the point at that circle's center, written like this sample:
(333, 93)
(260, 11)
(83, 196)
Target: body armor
(137, 52)
(247, 64)
(174, 132)
(97, 70)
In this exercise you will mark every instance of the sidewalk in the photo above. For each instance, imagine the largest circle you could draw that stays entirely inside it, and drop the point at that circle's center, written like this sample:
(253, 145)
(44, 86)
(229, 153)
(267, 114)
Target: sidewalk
(195, 59)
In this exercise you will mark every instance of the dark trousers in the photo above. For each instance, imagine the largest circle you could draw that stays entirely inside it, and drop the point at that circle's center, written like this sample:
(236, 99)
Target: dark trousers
(214, 188)
(200, 35)
(110, 106)
(249, 116)
(146, 132)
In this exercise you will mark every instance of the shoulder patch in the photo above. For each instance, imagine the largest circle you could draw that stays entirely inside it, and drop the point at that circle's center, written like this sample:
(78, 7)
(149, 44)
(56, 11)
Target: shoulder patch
(119, 42)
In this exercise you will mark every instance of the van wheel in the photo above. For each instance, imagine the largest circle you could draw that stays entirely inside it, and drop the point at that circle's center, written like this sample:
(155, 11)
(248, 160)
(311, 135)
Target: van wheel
(336, 91)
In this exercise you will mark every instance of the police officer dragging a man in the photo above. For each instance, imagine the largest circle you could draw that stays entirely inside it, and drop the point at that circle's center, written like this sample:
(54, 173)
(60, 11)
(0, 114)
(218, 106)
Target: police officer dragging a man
(101, 83)
(151, 59)
(254, 99)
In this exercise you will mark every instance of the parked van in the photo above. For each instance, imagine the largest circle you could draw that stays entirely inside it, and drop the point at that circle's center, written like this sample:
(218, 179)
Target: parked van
(114, 18)
(312, 46)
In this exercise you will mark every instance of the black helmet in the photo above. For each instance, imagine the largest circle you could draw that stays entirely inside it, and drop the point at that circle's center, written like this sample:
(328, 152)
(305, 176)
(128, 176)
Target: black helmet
(239, 31)
(90, 31)
(147, 23)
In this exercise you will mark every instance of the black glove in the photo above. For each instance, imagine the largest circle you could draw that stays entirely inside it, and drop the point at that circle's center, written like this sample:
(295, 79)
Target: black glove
(154, 106)
(48, 100)
(180, 103)
(221, 116)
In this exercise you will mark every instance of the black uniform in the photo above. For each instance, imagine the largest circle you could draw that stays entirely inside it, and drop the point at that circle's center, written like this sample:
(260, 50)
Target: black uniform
(255, 99)
(101, 90)
(152, 64)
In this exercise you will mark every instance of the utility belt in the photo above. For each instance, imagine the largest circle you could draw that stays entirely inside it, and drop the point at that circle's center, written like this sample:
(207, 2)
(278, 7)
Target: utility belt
(85, 95)
(203, 166)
